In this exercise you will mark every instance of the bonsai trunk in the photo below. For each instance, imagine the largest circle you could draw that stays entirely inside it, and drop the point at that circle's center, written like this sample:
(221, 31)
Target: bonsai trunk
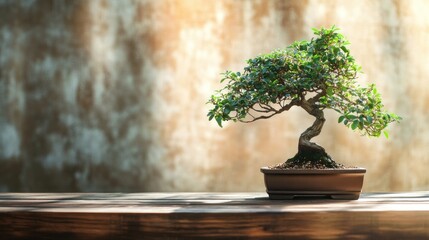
(309, 153)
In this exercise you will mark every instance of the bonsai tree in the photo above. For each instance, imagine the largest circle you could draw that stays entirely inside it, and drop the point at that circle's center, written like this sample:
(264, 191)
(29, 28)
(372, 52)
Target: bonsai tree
(315, 75)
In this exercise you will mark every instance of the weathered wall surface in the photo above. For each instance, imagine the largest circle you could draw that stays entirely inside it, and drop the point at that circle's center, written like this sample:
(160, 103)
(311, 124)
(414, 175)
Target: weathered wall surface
(110, 95)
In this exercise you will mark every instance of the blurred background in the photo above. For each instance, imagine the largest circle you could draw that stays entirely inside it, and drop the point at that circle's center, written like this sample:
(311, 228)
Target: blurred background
(109, 96)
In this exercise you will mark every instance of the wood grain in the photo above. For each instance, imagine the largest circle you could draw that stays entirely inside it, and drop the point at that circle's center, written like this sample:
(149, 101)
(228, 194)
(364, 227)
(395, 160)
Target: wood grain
(211, 216)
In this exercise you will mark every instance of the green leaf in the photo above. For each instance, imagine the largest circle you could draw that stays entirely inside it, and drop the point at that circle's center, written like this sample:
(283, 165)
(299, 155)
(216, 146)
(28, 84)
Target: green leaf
(341, 118)
(330, 91)
(315, 30)
(210, 115)
(386, 133)
(369, 119)
(219, 120)
(226, 110)
(355, 124)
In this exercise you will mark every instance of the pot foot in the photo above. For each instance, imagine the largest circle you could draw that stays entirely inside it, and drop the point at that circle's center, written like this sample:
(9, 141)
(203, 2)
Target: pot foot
(345, 196)
(300, 195)
(281, 196)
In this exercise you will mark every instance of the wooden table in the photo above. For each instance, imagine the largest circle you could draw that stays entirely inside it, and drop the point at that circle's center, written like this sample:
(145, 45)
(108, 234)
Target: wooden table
(210, 215)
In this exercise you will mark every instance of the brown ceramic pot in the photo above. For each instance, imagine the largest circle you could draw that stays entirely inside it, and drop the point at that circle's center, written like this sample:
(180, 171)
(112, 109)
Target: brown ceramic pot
(343, 184)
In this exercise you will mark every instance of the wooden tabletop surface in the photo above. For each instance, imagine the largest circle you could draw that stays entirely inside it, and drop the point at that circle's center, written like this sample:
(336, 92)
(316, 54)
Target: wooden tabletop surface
(204, 202)
(211, 215)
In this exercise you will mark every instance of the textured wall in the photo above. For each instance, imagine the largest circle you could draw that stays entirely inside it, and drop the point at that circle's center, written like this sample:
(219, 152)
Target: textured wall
(110, 95)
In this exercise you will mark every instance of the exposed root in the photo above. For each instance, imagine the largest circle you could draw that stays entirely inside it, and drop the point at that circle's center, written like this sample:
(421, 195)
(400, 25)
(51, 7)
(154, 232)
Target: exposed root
(320, 160)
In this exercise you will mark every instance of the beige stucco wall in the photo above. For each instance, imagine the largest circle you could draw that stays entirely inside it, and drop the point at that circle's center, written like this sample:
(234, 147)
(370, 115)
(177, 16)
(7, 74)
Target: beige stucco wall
(110, 95)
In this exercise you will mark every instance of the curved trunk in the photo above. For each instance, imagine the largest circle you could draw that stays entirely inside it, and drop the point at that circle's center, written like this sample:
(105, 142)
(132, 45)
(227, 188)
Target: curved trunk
(304, 145)
(309, 152)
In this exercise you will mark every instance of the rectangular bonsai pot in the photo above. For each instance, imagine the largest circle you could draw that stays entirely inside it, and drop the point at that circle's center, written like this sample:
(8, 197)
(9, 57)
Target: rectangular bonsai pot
(345, 184)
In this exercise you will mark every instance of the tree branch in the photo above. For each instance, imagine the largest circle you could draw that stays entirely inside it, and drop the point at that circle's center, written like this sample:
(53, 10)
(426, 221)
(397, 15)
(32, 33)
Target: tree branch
(266, 107)
(258, 118)
(294, 102)
(259, 110)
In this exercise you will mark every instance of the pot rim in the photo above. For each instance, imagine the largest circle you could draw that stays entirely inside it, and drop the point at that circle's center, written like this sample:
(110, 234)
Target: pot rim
(267, 170)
